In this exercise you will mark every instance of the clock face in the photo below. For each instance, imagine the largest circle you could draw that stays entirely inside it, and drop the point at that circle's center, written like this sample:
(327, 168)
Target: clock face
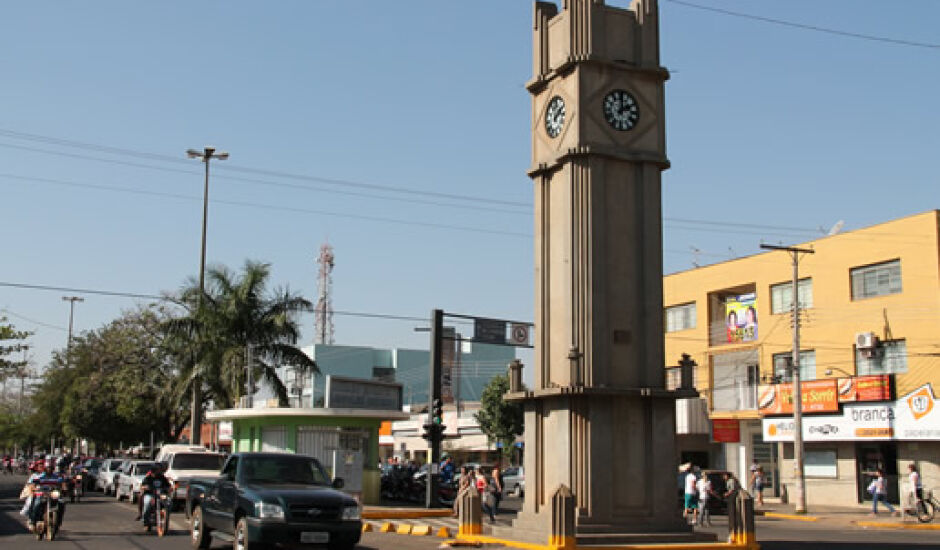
(555, 116)
(621, 110)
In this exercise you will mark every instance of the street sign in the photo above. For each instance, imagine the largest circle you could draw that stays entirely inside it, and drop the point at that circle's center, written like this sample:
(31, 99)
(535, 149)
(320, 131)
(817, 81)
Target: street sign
(519, 334)
(489, 331)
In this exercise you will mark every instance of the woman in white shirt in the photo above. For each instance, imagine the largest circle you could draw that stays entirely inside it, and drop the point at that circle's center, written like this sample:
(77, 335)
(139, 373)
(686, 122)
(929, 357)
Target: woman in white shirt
(914, 479)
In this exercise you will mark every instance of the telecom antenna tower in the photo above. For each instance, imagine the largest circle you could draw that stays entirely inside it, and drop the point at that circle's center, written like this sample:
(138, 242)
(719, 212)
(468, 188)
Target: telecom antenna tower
(324, 311)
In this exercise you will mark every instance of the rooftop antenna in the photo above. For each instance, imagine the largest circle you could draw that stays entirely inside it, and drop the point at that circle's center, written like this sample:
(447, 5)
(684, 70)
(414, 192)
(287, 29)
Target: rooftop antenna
(836, 227)
(695, 254)
(323, 314)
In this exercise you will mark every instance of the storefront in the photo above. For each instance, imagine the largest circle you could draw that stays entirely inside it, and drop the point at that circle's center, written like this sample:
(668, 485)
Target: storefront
(843, 451)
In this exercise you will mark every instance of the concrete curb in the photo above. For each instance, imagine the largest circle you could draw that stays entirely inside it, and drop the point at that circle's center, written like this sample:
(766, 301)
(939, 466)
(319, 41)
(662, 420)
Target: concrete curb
(403, 513)
(654, 546)
(796, 517)
(898, 525)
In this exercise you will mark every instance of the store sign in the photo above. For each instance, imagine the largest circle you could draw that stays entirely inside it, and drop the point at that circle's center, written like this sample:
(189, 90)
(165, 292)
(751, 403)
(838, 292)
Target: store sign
(225, 430)
(865, 388)
(817, 396)
(915, 416)
(726, 430)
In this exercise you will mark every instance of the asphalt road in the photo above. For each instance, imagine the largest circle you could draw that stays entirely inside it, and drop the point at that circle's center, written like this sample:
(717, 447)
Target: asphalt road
(102, 523)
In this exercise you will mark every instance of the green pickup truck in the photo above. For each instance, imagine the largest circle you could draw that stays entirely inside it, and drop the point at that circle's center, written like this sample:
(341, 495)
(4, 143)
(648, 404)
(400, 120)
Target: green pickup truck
(263, 500)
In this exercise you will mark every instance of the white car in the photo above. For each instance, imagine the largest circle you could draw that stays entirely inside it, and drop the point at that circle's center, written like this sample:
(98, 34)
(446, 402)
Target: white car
(514, 481)
(107, 475)
(128, 484)
(183, 466)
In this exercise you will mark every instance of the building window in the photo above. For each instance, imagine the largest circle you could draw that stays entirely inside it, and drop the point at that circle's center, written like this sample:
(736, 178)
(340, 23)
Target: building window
(734, 381)
(821, 463)
(680, 317)
(807, 365)
(876, 280)
(781, 296)
(889, 357)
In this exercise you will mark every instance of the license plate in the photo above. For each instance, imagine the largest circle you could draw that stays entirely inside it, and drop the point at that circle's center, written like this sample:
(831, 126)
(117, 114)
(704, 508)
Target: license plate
(314, 537)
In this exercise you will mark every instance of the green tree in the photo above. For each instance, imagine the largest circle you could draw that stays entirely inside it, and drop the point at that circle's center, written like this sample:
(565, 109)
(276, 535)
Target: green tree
(499, 419)
(11, 341)
(235, 319)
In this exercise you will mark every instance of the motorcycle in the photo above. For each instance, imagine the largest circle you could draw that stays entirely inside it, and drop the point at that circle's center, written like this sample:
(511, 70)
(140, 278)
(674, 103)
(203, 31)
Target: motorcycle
(159, 513)
(50, 502)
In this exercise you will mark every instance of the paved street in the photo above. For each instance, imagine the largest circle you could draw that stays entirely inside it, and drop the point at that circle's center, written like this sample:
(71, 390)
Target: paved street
(101, 523)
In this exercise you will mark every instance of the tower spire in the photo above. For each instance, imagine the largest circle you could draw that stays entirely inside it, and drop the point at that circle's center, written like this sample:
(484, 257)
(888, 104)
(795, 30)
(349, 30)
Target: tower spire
(323, 320)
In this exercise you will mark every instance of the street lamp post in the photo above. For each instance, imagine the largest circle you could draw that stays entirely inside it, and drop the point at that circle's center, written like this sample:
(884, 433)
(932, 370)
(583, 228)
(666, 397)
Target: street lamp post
(207, 154)
(68, 345)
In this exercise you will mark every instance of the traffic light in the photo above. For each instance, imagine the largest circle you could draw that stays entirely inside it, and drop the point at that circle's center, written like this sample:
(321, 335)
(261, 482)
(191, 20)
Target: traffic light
(437, 412)
(428, 431)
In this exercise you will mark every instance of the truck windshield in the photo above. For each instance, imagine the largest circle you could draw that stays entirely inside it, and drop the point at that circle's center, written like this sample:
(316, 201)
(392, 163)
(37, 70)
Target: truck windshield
(197, 461)
(284, 469)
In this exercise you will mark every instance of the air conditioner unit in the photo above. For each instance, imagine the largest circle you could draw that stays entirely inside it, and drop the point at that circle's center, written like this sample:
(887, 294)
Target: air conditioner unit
(866, 340)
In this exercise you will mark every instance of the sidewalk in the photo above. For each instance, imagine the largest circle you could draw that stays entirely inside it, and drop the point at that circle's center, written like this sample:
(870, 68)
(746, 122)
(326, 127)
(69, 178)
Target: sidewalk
(847, 516)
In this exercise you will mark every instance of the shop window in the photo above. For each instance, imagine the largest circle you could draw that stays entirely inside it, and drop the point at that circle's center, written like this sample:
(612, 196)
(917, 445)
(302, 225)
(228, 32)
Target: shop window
(890, 357)
(821, 463)
(680, 317)
(807, 366)
(876, 280)
(781, 296)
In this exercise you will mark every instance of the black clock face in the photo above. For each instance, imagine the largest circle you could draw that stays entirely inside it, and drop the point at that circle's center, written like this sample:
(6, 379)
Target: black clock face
(621, 110)
(555, 116)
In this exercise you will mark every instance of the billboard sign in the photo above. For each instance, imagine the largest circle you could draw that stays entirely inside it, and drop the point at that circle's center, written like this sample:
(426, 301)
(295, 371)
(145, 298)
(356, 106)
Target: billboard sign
(865, 388)
(817, 396)
(741, 318)
(726, 430)
(916, 416)
(353, 393)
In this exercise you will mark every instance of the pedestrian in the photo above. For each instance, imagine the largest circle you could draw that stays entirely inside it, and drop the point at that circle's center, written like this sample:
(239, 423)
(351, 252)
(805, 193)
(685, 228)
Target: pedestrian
(915, 487)
(757, 484)
(731, 486)
(879, 491)
(704, 488)
(485, 496)
(691, 501)
(463, 483)
(496, 488)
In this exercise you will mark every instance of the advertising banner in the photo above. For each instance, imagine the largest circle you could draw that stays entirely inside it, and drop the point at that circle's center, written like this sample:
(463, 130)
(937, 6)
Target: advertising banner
(817, 395)
(741, 318)
(225, 431)
(725, 430)
(865, 388)
(916, 416)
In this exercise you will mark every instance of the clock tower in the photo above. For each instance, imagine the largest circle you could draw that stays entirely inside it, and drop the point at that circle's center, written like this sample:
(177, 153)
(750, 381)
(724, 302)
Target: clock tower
(598, 419)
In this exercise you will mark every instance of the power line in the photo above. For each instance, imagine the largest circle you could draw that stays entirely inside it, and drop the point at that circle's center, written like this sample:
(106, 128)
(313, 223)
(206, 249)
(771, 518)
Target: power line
(804, 26)
(28, 320)
(246, 169)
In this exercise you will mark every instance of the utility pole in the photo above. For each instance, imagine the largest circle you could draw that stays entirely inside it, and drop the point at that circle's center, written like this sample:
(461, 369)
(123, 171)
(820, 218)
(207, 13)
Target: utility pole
(68, 345)
(207, 154)
(798, 463)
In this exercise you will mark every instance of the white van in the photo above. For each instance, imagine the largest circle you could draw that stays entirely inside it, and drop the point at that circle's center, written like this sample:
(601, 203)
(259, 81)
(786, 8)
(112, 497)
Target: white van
(167, 451)
(183, 466)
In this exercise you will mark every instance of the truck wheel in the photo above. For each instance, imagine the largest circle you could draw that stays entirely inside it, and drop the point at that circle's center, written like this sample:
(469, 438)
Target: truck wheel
(240, 540)
(199, 533)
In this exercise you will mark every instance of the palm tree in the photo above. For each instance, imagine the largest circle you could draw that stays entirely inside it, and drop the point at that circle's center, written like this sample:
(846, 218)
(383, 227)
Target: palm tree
(236, 319)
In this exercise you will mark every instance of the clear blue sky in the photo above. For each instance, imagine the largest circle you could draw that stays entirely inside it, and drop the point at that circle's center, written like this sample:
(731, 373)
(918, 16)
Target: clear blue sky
(767, 125)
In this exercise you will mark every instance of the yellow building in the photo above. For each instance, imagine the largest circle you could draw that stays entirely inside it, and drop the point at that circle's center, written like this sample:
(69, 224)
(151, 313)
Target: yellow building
(870, 316)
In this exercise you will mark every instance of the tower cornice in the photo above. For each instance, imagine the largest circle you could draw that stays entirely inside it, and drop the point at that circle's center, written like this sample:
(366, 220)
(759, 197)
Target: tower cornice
(539, 83)
(605, 151)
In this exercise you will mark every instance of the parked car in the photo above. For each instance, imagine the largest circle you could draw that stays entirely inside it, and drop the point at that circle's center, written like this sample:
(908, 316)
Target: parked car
(90, 472)
(167, 451)
(273, 498)
(108, 474)
(129, 482)
(183, 466)
(514, 481)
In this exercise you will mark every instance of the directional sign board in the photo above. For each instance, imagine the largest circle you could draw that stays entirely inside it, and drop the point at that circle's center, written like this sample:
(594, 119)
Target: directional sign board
(489, 331)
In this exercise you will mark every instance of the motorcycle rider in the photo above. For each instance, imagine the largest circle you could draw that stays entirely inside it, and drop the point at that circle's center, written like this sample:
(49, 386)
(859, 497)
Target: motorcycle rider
(153, 481)
(49, 478)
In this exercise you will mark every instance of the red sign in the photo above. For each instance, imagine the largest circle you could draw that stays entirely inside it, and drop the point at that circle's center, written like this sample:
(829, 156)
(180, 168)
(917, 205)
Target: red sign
(725, 430)
(865, 388)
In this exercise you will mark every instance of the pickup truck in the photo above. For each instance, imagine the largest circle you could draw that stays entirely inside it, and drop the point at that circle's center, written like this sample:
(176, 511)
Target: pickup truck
(263, 499)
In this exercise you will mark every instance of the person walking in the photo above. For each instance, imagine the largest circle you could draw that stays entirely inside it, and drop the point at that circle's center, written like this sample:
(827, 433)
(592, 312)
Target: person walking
(757, 484)
(914, 485)
(486, 497)
(879, 492)
(690, 497)
(496, 487)
(705, 492)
